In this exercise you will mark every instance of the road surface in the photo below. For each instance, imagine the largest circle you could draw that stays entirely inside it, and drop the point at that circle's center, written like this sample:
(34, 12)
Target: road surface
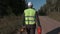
(47, 24)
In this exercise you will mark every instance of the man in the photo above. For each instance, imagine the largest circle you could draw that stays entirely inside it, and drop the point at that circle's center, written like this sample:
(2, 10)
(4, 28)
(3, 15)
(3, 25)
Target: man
(30, 19)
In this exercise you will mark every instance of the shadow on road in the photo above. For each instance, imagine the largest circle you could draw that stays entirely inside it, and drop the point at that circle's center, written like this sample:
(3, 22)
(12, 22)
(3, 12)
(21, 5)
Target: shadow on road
(55, 31)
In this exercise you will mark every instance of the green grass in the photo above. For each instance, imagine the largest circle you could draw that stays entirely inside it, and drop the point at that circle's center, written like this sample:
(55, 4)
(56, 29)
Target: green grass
(55, 15)
(8, 24)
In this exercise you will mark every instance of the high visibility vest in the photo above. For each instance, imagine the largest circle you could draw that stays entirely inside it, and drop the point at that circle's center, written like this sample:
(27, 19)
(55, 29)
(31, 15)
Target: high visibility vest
(29, 16)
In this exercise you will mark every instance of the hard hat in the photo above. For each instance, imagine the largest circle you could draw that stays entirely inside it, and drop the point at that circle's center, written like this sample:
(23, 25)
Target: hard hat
(30, 4)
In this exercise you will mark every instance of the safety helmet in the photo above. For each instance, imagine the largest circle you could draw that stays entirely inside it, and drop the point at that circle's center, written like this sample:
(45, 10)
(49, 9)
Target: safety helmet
(30, 4)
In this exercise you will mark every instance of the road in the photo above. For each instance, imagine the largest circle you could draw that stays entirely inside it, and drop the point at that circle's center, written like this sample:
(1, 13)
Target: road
(47, 24)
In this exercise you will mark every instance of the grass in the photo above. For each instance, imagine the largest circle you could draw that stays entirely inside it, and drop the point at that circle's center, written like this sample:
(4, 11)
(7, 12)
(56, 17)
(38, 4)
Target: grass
(8, 24)
(55, 15)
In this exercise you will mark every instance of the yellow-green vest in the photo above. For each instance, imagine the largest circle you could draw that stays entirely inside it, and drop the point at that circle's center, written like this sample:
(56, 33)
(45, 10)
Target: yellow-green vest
(29, 16)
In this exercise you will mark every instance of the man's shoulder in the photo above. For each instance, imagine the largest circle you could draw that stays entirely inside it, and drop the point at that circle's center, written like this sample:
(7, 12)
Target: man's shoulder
(33, 9)
(30, 9)
(26, 9)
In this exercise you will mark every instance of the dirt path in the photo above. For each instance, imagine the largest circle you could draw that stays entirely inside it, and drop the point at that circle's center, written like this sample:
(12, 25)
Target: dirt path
(48, 24)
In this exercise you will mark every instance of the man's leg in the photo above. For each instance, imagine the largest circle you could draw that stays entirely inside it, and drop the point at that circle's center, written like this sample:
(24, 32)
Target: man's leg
(28, 30)
(32, 30)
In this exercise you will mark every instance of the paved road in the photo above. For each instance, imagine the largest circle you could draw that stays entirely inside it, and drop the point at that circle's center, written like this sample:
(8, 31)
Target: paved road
(47, 24)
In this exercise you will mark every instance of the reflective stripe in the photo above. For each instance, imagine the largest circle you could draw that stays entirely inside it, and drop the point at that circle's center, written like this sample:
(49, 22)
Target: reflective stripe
(26, 22)
(30, 17)
(30, 22)
(26, 18)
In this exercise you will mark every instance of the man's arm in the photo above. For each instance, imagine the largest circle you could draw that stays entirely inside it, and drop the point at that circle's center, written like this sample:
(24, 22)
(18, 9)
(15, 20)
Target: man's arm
(37, 19)
(23, 19)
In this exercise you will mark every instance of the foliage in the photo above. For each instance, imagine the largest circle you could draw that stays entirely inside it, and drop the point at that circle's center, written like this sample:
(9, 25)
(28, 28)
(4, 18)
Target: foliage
(11, 11)
(51, 9)
(51, 6)
(12, 6)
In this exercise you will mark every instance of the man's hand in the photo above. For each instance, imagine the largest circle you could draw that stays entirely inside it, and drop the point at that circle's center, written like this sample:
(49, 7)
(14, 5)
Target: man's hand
(22, 29)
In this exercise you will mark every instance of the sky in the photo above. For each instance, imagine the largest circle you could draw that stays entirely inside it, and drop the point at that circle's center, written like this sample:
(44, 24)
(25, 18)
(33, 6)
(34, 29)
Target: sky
(37, 3)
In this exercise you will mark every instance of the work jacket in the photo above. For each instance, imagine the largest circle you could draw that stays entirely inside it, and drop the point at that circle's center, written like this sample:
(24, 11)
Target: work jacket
(30, 17)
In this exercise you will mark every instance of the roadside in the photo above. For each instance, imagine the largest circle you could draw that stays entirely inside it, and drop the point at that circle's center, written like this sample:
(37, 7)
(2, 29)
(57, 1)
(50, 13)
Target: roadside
(54, 15)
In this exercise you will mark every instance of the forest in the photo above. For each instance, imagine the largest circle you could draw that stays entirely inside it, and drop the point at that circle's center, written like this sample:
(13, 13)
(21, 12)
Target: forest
(51, 9)
(10, 15)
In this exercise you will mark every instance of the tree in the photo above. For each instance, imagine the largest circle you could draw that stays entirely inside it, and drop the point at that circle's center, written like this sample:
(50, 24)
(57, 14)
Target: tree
(12, 6)
(51, 6)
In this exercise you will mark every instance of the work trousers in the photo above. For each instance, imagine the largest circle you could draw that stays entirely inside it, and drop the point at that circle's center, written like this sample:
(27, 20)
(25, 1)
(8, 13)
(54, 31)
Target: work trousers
(30, 29)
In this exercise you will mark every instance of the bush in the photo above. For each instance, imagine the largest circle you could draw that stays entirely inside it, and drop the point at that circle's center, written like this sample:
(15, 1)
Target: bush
(10, 15)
